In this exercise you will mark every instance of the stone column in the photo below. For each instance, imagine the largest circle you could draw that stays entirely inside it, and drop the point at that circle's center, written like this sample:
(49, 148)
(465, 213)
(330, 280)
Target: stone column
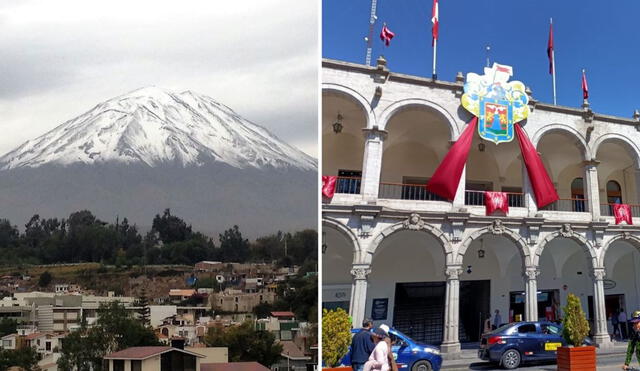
(635, 194)
(372, 162)
(592, 188)
(450, 344)
(359, 293)
(601, 336)
(531, 293)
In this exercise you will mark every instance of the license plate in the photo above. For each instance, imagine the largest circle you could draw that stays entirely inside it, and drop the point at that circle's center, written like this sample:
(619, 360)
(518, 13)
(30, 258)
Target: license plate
(552, 346)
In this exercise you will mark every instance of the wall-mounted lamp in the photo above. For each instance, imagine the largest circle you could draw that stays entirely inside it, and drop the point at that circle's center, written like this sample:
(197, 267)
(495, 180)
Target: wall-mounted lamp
(481, 250)
(337, 126)
(468, 269)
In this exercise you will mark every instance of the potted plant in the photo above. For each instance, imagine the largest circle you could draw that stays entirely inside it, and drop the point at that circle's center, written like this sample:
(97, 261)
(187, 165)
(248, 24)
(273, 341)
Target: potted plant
(336, 337)
(575, 329)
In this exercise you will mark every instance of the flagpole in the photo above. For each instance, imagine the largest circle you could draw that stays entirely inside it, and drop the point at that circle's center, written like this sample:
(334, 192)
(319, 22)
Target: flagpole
(553, 66)
(372, 21)
(435, 50)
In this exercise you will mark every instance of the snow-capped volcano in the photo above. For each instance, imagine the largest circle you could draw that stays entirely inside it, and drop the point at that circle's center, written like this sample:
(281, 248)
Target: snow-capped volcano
(155, 126)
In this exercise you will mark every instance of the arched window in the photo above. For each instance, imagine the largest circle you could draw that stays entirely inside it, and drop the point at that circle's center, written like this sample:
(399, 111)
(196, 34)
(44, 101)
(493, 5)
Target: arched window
(577, 194)
(614, 192)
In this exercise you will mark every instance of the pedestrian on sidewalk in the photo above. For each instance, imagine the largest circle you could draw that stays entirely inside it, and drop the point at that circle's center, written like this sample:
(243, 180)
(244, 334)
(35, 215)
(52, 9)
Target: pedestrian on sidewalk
(361, 346)
(614, 323)
(497, 320)
(634, 340)
(622, 319)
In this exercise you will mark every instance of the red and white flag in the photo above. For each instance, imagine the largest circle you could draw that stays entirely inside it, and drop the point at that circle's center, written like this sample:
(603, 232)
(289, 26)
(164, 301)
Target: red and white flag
(496, 201)
(435, 21)
(386, 35)
(622, 213)
(329, 185)
(585, 88)
(550, 49)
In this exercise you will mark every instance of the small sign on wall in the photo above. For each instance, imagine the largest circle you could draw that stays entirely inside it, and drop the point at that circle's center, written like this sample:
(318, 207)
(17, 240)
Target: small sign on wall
(379, 309)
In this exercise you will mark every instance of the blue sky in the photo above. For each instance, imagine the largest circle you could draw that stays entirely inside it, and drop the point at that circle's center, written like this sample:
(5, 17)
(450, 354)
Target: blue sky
(602, 38)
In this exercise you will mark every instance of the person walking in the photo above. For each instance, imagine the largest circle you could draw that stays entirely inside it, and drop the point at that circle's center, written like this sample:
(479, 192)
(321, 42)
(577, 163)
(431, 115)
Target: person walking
(622, 319)
(634, 340)
(379, 358)
(362, 346)
(614, 324)
(487, 324)
(497, 320)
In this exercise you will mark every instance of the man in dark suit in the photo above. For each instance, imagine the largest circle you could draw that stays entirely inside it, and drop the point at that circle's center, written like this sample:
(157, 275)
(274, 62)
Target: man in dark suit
(361, 346)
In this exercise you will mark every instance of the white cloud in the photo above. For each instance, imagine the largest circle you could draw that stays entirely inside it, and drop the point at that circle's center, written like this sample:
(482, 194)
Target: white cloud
(59, 58)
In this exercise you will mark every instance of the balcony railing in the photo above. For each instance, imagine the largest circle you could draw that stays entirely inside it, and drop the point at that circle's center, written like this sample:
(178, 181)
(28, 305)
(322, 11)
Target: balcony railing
(607, 210)
(578, 205)
(476, 198)
(399, 191)
(349, 185)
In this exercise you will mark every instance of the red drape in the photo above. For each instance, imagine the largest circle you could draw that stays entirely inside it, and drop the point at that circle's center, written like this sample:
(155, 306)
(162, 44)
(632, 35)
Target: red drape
(542, 186)
(622, 212)
(329, 185)
(495, 201)
(444, 181)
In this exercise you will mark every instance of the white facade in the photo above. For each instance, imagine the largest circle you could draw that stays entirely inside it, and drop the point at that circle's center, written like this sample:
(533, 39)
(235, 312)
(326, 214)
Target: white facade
(388, 239)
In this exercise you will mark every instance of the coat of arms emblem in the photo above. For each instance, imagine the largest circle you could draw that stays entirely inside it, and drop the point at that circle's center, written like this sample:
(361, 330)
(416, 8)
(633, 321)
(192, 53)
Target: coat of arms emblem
(497, 102)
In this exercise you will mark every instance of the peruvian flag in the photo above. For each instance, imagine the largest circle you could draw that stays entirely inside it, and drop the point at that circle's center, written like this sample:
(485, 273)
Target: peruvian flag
(386, 35)
(495, 201)
(550, 49)
(329, 185)
(585, 88)
(622, 212)
(435, 21)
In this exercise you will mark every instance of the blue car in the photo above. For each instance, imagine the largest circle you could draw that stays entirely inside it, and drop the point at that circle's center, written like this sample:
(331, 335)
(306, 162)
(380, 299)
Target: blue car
(515, 343)
(408, 354)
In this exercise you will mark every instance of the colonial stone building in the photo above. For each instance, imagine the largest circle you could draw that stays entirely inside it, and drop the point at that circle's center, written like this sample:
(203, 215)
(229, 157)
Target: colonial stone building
(436, 269)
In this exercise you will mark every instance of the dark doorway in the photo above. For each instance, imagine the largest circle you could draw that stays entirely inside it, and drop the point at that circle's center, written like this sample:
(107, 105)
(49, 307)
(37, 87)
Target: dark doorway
(419, 310)
(474, 309)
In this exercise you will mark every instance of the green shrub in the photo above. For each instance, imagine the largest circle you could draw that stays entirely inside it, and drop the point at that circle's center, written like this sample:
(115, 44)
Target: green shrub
(336, 335)
(575, 324)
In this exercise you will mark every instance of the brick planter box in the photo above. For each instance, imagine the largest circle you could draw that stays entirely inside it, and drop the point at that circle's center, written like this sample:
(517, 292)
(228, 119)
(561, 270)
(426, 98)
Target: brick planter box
(577, 358)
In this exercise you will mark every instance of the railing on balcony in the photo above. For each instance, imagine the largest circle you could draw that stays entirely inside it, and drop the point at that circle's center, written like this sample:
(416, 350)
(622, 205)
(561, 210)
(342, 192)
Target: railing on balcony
(399, 191)
(607, 210)
(349, 185)
(578, 205)
(476, 198)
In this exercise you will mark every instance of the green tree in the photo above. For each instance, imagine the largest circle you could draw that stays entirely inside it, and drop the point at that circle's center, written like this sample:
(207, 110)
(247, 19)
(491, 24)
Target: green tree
(575, 326)
(171, 228)
(26, 357)
(8, 326)
(246, 343)
(263, 310)
(233, 247)
(45, 279)
(9, 234)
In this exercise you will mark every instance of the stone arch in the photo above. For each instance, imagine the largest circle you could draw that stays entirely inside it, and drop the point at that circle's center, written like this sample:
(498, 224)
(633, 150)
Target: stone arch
(398, 106)
(625, 236)
(567, 232)
(429, 229)
(633, 147)
(356, 98)
(587, 154)
(497, 229)
(346, 233)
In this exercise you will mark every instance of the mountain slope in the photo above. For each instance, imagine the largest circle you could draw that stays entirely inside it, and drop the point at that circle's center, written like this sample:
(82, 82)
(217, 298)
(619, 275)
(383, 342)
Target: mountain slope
(155, 126)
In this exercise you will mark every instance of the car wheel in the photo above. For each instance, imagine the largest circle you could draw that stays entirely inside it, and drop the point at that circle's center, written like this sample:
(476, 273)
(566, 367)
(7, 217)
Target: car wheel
(421, 366)
(510, 359)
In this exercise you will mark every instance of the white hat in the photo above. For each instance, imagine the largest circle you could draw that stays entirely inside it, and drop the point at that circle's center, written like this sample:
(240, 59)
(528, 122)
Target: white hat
(385, 328)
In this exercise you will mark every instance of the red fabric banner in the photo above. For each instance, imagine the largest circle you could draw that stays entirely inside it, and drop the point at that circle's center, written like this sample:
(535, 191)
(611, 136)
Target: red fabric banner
(436, 22)
(622, 212)
(585, 88)
(543, 189)
(329, 185)
(496, 201)
(550, 49)
(444, 181)
(386, 35)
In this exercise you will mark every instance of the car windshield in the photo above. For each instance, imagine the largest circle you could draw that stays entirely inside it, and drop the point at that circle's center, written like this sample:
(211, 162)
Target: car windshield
(397, 337)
